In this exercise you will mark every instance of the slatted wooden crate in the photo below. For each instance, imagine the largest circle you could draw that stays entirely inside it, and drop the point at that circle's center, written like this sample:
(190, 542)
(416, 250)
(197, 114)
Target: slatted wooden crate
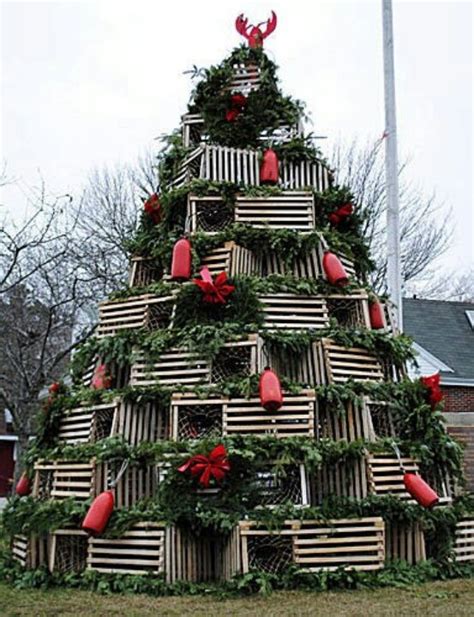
(68, 552)
(139, 422)
(147, 311)
(299, 175)
(351, 425)
(233, 259)
(294, 312)
(193, 418)
(382, 421)
(208, 213)
(141, 550)
(237, 359)
(308, 266)
(71, 479)
(246, 78)
(287, 485)
(143, 271)
(247, 416)
(137, 483)
(174, 367)
(303, 368)
(349, 310)
(43, 479)
(405, 541)
(341, 479)
(30, 551)
(385, 476)
(88, 424)
(348, 264)
(351, 544)
(290, 210)
(190, 168)
(464, 540)
(203, 557)
(344, 363)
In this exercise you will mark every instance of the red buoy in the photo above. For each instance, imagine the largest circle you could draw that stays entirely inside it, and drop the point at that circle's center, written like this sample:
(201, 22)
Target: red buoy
(271, 396)
(376, 313)
(102, 379)
(152, 208)
(269, 167)
(23, 487)
(420, 490)
(181, 262)
(99, 514)
(334, 270)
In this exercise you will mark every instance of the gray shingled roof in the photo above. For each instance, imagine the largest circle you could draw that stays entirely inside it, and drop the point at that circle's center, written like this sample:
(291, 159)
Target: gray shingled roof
(443, 329)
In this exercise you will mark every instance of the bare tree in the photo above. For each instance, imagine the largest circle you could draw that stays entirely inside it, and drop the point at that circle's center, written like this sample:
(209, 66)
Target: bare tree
(424, 230)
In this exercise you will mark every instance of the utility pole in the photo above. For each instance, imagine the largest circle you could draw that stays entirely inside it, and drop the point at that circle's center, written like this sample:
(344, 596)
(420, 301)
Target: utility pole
(391, 166)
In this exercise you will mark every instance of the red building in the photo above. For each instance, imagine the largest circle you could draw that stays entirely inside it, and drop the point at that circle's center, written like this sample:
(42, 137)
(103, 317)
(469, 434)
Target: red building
(7, 453)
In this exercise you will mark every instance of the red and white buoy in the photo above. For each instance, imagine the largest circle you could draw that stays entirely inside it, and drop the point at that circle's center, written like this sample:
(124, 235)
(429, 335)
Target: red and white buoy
(181, 260)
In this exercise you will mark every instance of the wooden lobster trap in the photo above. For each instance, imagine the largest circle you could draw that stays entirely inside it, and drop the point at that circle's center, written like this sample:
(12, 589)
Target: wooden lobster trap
(303, 367)
(63, 479)
(352, 424)
(233, 259)
(340, 479)
(385, 474)
(289, 210)
(344, 363)
(294, 311)
(68, 552)
(464, 540)
(143, 271)
(89, 423)
(174, 367)
(349, 310)
(137, 482)
(236, 359)
(351, 544)
(30, 551)
(146, 311)
(303, 174)
(405, 541)
(145, 421)
(144, 549)
(307, 266)
(193, 418)
(276, 487)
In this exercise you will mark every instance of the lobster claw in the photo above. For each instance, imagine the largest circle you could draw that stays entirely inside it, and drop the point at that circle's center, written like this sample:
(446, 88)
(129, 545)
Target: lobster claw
(241, 25)
(271, 25)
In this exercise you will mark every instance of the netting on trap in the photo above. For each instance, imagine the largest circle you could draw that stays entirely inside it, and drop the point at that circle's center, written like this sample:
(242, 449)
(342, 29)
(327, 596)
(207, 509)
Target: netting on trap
(213, 215)
(43, 483)
(348, 312)
(271, 554)
(275, 488)
(232, 362)
(103, 422)
(382, 419)
(160, 315)
(70, 553)
(199, 421)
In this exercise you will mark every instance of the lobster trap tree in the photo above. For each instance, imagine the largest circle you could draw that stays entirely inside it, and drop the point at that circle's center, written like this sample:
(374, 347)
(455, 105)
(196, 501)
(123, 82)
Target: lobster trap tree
(243, 405)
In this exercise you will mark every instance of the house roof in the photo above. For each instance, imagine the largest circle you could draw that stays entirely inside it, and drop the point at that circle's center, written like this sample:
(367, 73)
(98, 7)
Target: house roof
(443, 329)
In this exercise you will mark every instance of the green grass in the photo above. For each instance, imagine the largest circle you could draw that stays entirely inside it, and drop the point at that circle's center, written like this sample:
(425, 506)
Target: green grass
(444, 598)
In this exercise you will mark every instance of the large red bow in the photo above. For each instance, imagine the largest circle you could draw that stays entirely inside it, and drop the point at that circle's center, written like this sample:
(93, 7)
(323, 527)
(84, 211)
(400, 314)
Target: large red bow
(435, 394)
(340, 214)
(214, 466)
(214, 291)
(237, 105)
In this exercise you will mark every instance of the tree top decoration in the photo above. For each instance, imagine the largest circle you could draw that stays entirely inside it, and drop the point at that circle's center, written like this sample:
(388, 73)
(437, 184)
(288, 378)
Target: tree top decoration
(254, 34)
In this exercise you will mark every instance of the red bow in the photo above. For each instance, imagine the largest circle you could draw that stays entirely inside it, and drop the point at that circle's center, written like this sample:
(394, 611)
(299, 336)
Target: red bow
(214, 466)
(101, 380)
(237, 105)
(152, 207)
(214, 291)
(341, 213)
(435, 394)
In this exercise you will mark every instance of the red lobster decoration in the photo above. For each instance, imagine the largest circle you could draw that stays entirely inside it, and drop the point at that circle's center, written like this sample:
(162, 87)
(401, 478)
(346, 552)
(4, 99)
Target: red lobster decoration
(256, 36)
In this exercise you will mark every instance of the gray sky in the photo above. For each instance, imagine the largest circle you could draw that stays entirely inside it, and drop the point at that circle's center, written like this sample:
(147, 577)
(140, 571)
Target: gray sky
(92, 83)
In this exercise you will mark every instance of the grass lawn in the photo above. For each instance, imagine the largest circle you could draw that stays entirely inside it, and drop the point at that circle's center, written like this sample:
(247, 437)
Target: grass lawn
(441, 598)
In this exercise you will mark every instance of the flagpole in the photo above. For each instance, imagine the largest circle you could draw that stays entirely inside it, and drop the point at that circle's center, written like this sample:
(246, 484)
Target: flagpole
(391, 166)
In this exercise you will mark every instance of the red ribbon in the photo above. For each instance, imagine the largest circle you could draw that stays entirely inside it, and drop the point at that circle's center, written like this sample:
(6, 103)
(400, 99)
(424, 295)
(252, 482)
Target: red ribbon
(214, 466)
(341, 213)
(435, 395)
(214, 291)
(237, 106)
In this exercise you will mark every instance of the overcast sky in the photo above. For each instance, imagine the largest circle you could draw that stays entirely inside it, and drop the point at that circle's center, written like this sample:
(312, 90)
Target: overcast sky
(91, 83)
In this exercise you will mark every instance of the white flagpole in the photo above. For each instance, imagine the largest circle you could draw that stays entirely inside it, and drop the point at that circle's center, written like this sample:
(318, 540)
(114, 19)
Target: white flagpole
(391, 166)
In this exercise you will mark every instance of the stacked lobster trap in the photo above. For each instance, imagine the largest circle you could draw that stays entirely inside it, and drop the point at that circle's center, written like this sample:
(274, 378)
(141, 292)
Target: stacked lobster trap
(198, 411)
